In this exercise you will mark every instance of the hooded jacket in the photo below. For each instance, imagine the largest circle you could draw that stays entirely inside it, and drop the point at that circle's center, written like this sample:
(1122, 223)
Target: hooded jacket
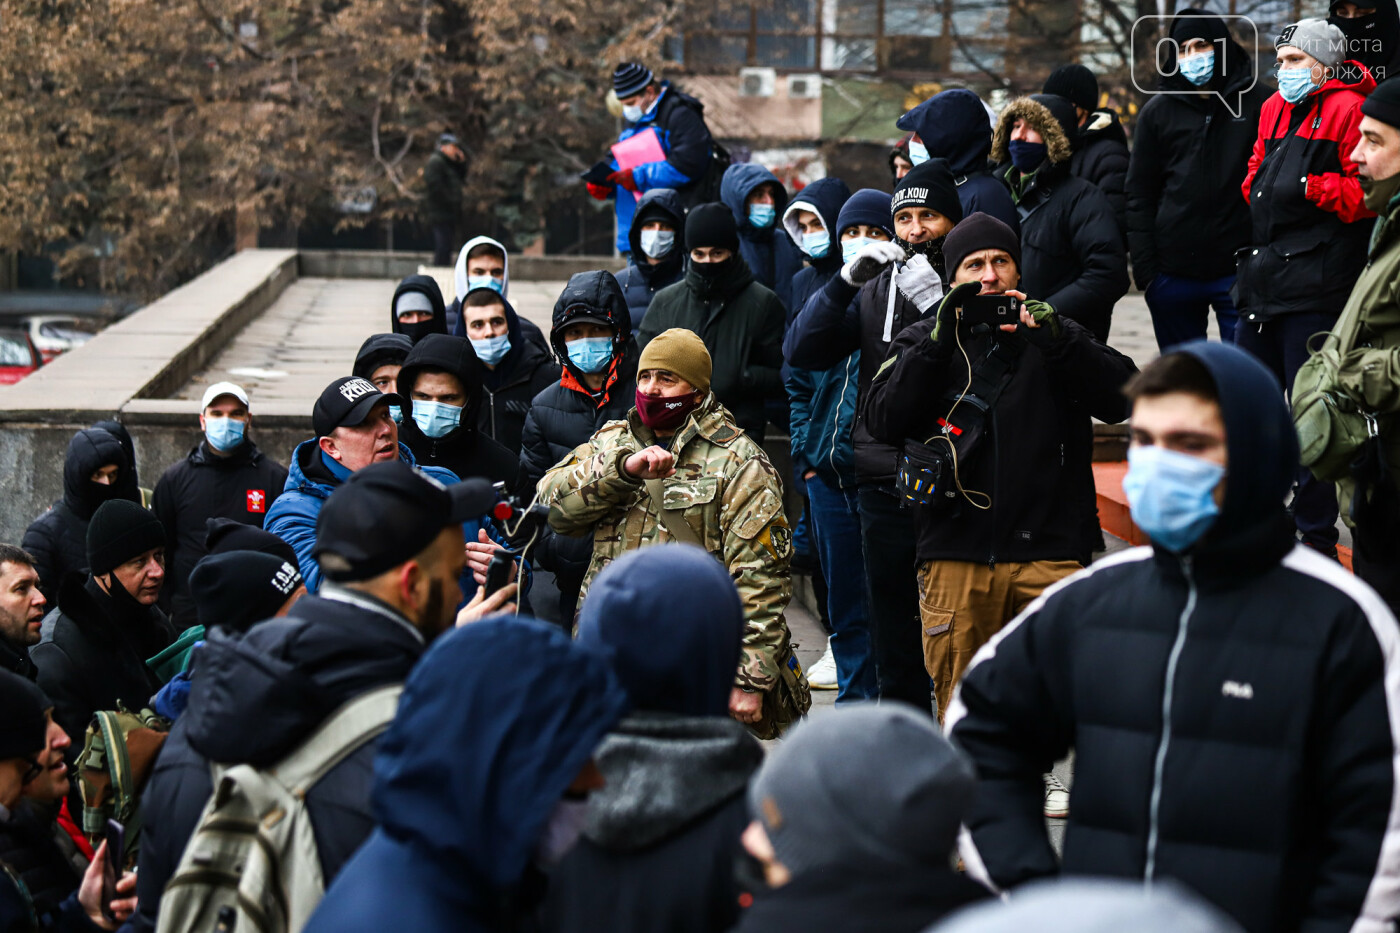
(1374, 40)
(466, 450)
(1035, 460)
(1231, 709)
(240, 486)
(662, 836)
(1308, 242)
(443, 177)
(381, 350)
(771, 255)
(253, 697)
(525, 371)
(1101, 158)
(641, 280)
(823, 401)
(953, 125)
(34, 847)
(1189, 158)
(679, 123)
(310, 483)
(57, 540)
(493, 725)
(741, 323)
(1072, 255)
(92, 655)
(455, 326)
(426, 285)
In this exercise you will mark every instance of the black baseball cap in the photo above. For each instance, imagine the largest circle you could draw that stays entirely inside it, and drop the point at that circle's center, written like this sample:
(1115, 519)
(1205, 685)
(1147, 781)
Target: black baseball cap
(388, 512)
(346, 403)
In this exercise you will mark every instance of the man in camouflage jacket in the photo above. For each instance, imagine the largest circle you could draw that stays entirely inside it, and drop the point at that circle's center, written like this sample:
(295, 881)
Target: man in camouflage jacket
(714, 479)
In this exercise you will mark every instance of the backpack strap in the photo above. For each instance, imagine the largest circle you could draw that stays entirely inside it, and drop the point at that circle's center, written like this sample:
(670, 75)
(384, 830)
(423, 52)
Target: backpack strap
(344, 731)
(671, 519)
(118, 763)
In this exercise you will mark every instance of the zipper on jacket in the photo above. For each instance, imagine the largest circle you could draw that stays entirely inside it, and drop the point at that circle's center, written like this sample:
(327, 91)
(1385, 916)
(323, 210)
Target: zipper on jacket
(835, 424)
(1168, 688)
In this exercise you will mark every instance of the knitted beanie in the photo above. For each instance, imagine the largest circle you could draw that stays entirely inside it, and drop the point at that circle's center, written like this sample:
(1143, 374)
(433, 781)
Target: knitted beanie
(119, 531)
(681, 352)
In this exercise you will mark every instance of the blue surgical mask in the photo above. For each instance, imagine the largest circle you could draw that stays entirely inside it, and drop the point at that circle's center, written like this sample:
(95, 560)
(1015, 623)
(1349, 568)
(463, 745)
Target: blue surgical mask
(657, 243)
(1295, 84)
(1172, 495)
(223, 434)
(632, 113)
(1027, 157)
(396, 413)
(591, 354)
(1198, 69)
(849, 248)
(436, 419)
(491, 350)
(486, 281)
(762, 216)
(816, 244)
(918, 153)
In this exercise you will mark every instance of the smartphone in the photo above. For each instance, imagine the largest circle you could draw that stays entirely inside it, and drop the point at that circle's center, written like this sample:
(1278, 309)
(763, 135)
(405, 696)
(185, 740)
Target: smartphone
(498, 574)
(993, 310)
(115, 834)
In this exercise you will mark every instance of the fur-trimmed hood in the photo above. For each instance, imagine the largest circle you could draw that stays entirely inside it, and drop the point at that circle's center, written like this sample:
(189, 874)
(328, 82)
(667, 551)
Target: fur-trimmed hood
(1039, 116)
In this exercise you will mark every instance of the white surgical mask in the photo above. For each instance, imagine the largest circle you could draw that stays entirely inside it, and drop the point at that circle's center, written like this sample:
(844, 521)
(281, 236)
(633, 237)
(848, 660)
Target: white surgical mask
(632, 113)
(658, 243)
(849, 248)
(918, 153)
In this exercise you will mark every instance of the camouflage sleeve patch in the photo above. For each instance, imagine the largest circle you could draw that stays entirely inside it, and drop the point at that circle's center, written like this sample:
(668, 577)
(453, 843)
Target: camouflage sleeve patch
(777, 538)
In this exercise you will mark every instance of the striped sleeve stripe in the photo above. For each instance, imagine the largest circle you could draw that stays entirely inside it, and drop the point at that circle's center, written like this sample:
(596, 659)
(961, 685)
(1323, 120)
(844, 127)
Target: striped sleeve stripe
(1382, 901)
(972, 859)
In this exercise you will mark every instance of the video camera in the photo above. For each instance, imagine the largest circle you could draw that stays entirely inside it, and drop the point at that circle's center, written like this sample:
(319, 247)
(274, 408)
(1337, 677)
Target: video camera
(520, 523)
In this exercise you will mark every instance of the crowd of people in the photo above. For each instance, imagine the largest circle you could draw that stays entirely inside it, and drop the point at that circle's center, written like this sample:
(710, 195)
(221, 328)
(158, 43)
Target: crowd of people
(432, 673)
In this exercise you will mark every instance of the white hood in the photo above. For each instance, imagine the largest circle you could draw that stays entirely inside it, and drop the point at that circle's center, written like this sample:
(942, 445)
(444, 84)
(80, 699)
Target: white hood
(459, 274)
(794, 232)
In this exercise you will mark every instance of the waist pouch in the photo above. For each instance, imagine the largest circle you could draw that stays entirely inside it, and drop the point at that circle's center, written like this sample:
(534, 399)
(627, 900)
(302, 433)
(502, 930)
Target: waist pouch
(787, 702)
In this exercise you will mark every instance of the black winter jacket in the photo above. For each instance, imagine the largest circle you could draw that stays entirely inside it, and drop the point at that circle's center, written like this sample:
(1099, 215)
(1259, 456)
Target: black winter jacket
(1232, 709)
(252, 699)
(92, 656)
(641, 280)
(839, 320)
(15, 659)
(57, 540)
(202, 486)
(1035, 460)
(509, 389)
(50, 867)
(1190, 155)
(741, 323)
(875, 901)
(465, 450)
(443, 177)
(1101, 158)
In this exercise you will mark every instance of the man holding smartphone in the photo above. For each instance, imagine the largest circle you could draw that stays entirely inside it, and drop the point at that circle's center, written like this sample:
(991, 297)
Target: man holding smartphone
(1009, 520)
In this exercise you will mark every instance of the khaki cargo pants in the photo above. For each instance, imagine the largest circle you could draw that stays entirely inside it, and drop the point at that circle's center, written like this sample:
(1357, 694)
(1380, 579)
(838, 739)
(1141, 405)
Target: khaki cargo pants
(962, 605)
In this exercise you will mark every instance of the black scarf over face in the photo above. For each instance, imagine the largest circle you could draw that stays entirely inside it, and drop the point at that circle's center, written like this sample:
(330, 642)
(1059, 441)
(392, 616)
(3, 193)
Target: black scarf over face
(932, 249)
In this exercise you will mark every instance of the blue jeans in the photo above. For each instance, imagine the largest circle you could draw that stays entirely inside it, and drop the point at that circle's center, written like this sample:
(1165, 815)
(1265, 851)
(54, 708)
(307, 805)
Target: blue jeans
(835, 524)
(1181, 308)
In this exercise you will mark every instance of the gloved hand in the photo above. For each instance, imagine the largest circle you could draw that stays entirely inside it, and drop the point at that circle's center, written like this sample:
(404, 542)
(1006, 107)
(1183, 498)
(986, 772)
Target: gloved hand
(599, 192)
(919, 282)
(623, 178)
(869, 261)
(1044, 329)
(942, 335)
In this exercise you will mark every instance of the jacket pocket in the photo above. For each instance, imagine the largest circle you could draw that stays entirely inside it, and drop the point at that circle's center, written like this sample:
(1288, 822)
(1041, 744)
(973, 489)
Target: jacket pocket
(1289, 269)
(683, 495)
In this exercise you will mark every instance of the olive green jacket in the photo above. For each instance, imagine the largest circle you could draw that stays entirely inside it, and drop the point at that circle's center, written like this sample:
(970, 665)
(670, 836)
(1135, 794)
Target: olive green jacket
(731, 497)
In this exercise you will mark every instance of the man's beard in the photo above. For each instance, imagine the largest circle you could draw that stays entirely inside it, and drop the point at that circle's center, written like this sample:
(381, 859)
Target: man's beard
(16, 630)
(436, 619)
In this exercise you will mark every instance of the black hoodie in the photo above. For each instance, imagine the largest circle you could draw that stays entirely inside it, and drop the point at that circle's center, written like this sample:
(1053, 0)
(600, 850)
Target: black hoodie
(428, 286)
(641, 280)
(1185, 216)
(464, 450)
(524, 372)
(381, 350)
(1372, 40)
(57, 540)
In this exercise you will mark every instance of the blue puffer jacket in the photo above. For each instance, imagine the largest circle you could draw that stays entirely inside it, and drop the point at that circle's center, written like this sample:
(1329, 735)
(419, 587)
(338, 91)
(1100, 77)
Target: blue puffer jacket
(770, 253)
(641, 280)
(954, 125)
(495, 723)
(679, 121)
(310, 483)
(823, 402)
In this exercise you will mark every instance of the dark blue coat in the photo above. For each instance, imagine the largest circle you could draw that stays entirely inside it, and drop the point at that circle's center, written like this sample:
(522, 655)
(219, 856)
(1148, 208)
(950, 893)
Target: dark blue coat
(954, 125)
(772, 256)
(641, 280)
(494, 724)
(253, 697)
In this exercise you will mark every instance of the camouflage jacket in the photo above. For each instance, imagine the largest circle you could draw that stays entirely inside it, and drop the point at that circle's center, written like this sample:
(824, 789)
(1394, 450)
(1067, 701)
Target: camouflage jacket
(731, 496)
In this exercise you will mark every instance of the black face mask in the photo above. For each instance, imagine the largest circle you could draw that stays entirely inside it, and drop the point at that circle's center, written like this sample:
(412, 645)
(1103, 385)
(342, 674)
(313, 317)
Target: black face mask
(98, 493)
(1363, 40)
(418, 331)
(930, 249)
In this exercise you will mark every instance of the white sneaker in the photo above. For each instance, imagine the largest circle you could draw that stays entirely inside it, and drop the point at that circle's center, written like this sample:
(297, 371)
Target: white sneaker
(822, 675)
(1056, 798)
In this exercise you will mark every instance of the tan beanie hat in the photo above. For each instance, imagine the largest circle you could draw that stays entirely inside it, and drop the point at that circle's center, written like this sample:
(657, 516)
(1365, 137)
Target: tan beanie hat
(681, 352)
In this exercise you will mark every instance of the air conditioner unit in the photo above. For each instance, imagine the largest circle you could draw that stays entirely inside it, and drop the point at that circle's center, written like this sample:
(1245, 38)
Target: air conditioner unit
(757, 82)
(804, 87)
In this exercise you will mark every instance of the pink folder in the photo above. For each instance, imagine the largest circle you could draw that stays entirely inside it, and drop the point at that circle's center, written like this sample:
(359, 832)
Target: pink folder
(637, 150)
